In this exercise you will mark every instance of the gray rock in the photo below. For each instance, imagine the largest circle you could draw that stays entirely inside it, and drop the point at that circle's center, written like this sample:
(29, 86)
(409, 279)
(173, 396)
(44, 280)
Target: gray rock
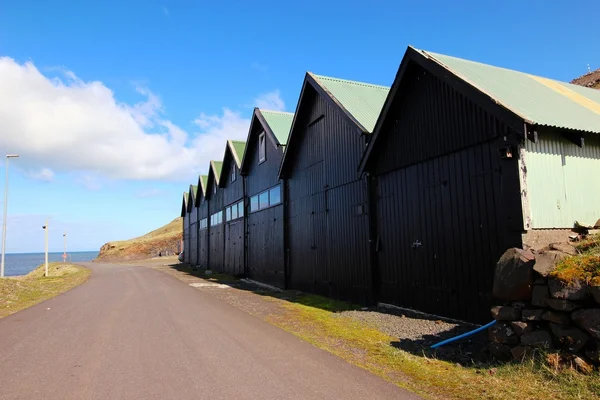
(570, 338)
(514, 275)
(595, 291)
(502, 333)
(546, 262)
(506, 313)
(562, 305)
(564, 248)
(556, 317)
(521, 328)
(576, 290)
(588, 320)
(532, 315)
(500, 351)
(540, 295)
(541, 339)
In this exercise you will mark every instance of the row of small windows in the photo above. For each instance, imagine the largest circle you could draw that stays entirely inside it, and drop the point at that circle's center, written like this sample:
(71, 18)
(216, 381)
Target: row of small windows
(203, 223)
(266, 199)
(216, 218)
(234, 211)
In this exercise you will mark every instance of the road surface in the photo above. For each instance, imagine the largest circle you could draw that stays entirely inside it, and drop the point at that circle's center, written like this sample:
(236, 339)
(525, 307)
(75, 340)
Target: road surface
(137, 333)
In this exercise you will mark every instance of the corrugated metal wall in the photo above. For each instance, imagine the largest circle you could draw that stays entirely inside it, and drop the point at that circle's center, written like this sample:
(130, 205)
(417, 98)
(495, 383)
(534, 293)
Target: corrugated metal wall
(328, 248)
(203, 235)
(562, 181)
(194, 236)
(217, 236)
(186, 237)
(233, 232)
(265, 241)
(447, 203)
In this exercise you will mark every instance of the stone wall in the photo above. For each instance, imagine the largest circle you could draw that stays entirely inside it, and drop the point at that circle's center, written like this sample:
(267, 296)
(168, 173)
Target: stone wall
(537, 311)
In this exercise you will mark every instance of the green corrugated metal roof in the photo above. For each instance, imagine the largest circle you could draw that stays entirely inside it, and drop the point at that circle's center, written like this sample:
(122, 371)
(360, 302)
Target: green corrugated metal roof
(362, 100)
(203, 181)
(539, 101)
(280, 123)
(195, 191)
(238, 148)
(217, 166)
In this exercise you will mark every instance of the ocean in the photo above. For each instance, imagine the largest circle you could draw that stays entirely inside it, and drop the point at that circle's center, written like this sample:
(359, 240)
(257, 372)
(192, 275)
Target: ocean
(21, 264)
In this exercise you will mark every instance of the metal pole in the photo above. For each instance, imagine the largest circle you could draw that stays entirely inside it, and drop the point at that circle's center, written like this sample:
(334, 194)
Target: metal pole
(46, 229)
(65, 252)
(5, 214)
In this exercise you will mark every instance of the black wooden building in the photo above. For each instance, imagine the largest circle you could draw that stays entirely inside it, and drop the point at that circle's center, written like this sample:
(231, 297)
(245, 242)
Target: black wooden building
(193, 227)
(267, 137)
(214, 194)
(185, 216)
(231, 184)
(203, 226)
(445, 191)
(327, 235)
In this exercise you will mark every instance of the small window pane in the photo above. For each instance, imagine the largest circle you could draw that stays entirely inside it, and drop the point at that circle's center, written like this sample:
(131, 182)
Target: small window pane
(234, 212)
(254, 203)
(233, 174)
(264, 200)
(228, 213)
(262, 148)
(240, 206)
(220, 217)
(275, 195)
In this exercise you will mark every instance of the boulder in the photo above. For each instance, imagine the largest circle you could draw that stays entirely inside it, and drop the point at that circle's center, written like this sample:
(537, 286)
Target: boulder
(521, 352)
(532, 315)
(595, 291)
(576, 290)
(564, 248)
(506, 313)
(556, 317)
(540, 295)
(540, 338)
(546, 262)
(570, 338)
(502, 333)
(588, 320)
(514, 275)
(500, 351)
(520, 328)
(562, 305)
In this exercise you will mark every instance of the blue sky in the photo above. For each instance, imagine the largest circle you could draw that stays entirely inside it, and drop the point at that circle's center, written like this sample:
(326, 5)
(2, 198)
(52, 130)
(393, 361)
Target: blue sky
(116, 106)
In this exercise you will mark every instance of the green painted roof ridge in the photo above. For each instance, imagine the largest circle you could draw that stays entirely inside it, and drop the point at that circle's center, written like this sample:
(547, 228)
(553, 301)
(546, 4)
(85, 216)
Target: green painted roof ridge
(280, 123)
(203, 182)
(237, 148)
(216, 167)
(262, 110)
(366, 84)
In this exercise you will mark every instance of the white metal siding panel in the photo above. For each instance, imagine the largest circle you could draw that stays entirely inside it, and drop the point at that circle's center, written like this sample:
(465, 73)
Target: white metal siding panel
(562, 181)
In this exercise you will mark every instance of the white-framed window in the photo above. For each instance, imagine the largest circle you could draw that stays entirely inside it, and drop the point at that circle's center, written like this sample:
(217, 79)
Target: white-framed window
(233, 173)
(262, 147)
(268, 198)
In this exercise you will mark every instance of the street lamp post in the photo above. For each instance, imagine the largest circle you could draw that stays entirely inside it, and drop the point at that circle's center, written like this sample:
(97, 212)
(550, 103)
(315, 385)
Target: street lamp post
(65, 252)
(8, 156)
(45, 228)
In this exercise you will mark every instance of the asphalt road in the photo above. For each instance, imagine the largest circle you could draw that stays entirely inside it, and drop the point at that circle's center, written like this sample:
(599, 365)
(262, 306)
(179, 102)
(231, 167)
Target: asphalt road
(137, 333)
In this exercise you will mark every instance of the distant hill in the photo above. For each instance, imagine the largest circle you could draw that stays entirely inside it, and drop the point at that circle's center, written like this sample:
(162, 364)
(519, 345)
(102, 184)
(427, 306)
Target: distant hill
(164, 240)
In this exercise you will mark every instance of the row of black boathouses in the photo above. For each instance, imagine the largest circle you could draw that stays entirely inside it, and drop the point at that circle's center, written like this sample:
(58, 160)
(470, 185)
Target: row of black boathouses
(405, 196)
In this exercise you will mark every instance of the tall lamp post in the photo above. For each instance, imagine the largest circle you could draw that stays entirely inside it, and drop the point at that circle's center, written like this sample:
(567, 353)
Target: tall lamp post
(8, 156)
(45, 228)
(65, 252)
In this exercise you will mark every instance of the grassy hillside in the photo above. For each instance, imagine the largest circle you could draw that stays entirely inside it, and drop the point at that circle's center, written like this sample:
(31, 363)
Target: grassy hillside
(163, 240)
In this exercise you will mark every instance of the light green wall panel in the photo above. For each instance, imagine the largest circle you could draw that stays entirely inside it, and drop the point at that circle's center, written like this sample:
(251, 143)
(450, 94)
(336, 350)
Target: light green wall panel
(563, 181)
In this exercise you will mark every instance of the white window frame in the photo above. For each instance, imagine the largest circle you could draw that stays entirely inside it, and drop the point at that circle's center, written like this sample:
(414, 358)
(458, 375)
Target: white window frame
(262, 147)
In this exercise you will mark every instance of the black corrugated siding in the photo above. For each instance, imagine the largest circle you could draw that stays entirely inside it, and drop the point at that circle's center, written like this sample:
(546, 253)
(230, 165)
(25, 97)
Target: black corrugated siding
(443, 216)
(217, 236)
(328, 236)
(265, 240)
(194, 236)
(233, 232)
(203, 236)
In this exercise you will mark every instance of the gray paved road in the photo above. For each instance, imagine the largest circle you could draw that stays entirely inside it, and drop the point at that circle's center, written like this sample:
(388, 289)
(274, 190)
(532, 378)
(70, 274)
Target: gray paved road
(137, 333)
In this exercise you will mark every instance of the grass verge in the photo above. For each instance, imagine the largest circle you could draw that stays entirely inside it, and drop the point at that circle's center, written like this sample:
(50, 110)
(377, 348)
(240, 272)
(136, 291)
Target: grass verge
(18, 293)
(584, 266)
(314, 320)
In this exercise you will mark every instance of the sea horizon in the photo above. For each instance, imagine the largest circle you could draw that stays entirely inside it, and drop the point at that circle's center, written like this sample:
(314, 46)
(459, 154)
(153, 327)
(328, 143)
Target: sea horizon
(23, 263)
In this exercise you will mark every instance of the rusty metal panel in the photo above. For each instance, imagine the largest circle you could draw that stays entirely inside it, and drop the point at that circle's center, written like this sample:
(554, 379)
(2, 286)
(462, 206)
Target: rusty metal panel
(265, 246)
(323, 194)
(560, 178)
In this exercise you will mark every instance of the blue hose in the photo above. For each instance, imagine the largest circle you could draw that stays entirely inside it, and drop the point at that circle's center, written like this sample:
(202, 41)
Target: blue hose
(464, 335)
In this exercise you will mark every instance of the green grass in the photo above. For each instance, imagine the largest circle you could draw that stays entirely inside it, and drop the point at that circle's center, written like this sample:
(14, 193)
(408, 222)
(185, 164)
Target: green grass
(19, 293)
(314, 320)
(584, 267)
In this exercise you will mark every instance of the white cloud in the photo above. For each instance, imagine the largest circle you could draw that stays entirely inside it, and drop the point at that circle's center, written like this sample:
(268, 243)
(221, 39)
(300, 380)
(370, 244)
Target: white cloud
(270, 101)
(67, 125)
(44, 174)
